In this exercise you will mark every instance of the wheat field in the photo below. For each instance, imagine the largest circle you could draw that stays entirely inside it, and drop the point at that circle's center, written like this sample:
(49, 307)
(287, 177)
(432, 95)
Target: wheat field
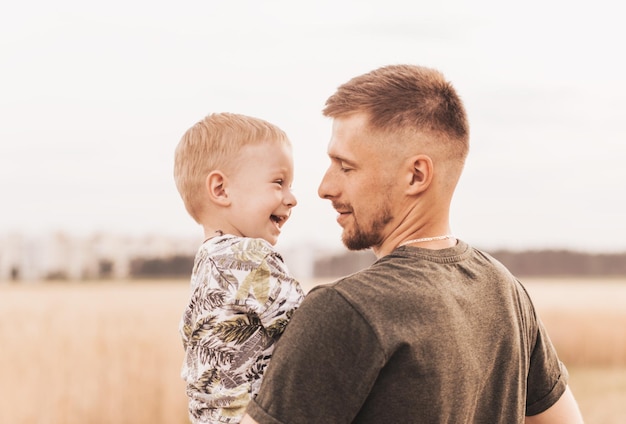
(110, 352)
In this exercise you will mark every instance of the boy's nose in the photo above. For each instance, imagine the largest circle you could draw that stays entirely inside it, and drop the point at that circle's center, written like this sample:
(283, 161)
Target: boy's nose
(290, 199)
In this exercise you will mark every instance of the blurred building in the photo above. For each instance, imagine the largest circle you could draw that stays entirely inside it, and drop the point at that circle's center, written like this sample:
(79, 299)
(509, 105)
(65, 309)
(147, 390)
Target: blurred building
(59, 256)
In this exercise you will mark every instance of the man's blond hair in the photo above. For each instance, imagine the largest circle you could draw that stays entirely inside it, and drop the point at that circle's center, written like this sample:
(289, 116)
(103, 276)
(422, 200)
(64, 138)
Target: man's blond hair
(406, 99)
(214, 143)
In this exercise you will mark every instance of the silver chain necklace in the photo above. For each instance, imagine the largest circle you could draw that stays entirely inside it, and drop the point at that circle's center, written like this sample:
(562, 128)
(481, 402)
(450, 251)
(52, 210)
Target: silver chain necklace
(425, 239)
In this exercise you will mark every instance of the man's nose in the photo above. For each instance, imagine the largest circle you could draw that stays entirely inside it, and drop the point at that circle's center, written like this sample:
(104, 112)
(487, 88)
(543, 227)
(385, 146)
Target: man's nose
(325, 189)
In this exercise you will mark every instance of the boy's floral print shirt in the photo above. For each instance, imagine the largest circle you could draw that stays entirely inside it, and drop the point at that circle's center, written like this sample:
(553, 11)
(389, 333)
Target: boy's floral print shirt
(242, 297)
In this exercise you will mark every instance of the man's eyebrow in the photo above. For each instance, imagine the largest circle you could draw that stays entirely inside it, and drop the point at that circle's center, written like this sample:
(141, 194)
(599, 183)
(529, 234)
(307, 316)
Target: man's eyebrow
(342, 159)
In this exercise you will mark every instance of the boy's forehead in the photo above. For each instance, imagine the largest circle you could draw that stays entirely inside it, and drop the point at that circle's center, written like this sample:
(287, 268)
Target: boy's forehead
(272, 151)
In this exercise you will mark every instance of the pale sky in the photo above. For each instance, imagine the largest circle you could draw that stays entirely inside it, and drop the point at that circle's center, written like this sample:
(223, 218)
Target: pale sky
(95, 96)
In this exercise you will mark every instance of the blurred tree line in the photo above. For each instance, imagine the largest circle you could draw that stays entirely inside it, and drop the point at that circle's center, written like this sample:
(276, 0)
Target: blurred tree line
(541, 263)
(564, 263)
(172, 267)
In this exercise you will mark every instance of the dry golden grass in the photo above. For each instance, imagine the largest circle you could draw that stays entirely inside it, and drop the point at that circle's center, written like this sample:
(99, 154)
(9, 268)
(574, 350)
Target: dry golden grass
(601, 393)
(586, 319)
(106, 353)
(110, 353)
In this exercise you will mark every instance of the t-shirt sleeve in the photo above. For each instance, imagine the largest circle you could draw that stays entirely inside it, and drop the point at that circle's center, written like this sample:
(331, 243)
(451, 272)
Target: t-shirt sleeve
(547, 376)
(264, 285)
(327, 360)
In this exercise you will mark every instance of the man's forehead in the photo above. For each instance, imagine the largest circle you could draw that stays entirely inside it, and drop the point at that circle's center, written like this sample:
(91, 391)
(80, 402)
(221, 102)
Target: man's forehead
(357, 121)
(355, 151)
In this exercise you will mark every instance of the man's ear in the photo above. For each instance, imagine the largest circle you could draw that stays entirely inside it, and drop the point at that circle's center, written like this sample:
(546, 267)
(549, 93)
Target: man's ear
(216, 188)
(421, 174)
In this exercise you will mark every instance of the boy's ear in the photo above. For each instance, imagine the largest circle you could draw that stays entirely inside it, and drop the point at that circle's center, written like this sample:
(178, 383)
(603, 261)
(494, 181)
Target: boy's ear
(420, 175)
(216, 188)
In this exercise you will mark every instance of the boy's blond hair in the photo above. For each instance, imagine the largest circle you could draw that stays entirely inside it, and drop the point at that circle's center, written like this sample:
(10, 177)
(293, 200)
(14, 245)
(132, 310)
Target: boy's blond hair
(213, 143)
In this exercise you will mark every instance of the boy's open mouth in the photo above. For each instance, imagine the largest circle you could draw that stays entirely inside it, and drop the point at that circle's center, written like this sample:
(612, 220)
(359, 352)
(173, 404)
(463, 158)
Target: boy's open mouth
(277, 219)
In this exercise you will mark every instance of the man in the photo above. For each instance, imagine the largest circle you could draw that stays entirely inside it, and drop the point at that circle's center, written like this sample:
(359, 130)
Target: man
(434, 331)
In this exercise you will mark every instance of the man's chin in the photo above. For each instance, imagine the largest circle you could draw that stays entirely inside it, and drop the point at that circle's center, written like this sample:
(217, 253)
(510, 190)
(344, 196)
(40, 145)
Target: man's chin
(355, 243)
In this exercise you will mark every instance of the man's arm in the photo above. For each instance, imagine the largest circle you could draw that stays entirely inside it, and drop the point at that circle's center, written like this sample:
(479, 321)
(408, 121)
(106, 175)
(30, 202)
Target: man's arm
(564, 411)
(247, 419)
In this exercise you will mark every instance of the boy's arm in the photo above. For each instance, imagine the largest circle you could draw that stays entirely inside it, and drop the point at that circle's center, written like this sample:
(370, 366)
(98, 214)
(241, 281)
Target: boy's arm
(564, 411)
(221, 337)
(238, 316)
(213, 362)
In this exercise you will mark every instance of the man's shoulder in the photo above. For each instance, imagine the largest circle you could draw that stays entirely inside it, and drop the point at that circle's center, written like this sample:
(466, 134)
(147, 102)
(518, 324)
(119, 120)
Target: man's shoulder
(354, 289)
(327, 304)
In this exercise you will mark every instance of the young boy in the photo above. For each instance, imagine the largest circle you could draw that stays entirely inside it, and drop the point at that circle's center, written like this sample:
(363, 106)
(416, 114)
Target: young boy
(234, 174)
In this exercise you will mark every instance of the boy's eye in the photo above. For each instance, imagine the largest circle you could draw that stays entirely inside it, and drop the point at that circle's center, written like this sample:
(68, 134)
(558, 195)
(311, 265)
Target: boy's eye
(279, 182)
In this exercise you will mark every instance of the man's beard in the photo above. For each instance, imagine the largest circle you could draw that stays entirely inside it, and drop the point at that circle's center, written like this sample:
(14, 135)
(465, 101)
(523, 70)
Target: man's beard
(362, 237)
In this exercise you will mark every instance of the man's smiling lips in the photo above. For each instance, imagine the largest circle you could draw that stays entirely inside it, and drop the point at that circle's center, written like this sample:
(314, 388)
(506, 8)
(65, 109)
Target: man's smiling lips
(343, 213)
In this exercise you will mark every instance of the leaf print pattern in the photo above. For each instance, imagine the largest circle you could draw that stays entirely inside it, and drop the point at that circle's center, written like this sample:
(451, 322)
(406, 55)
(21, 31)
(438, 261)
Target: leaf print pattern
(242, 298)
(202, 327)
(257, 281)
(237, 330)
(276, 329)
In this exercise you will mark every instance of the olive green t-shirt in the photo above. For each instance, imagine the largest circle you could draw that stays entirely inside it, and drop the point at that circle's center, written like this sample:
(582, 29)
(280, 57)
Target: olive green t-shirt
(421, 336)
